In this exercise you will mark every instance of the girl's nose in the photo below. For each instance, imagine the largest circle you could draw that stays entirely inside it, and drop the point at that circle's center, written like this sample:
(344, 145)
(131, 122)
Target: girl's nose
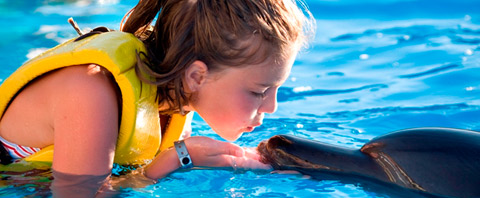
(269, 104)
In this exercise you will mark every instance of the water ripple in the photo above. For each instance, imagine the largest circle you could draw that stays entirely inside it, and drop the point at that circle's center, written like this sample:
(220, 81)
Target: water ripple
(365, 113)
(414, 33)
(431, 71)
(289, 93)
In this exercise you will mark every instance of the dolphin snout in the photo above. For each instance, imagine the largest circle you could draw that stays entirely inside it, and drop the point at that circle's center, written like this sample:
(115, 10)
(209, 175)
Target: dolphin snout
(272, 151)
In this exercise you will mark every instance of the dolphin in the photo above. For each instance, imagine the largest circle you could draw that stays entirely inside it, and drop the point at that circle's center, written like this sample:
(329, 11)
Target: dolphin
(430, 161)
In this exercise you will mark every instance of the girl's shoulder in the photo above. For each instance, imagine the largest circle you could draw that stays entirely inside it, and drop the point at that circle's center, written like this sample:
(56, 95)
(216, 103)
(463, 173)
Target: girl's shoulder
(78, 91)
(81, 79)
(89, 85)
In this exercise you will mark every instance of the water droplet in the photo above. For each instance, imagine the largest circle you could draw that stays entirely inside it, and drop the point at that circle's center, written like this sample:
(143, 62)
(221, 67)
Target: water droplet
(364, 56)
(293, 79)
(379, 35)
(299, 126)
(302, 89)
(396, 64)
(469, 88)
(468, 52)
(406, 37)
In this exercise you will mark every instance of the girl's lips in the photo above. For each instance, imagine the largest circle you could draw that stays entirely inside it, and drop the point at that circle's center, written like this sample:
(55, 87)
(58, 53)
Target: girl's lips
(251, 128)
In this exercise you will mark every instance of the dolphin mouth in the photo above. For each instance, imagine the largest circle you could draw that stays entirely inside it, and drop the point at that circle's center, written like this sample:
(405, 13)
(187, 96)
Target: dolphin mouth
(274, 152)
(269, 152)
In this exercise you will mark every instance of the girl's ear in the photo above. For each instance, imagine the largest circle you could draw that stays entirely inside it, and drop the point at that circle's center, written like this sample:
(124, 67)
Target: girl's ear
(195, 76)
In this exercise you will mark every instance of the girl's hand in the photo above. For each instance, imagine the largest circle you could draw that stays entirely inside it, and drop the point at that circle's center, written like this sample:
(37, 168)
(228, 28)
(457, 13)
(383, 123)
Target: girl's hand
(251, 160)
(205, 152)
(208, 152)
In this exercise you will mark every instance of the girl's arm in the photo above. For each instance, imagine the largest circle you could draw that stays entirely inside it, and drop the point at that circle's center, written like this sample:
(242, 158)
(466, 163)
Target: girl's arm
(85, 121)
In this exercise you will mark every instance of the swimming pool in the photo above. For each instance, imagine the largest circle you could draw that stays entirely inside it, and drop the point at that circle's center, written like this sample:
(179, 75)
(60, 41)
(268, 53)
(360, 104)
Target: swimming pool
(374, 67)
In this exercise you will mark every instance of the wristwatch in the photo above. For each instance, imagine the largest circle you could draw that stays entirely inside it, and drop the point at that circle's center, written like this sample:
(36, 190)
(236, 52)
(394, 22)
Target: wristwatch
(182, 153)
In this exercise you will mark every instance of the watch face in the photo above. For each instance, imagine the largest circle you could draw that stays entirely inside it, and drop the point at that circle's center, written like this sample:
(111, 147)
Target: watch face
(185, 160)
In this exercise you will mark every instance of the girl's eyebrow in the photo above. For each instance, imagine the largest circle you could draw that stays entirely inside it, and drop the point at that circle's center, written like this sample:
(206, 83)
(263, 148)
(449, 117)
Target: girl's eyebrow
(265, 84)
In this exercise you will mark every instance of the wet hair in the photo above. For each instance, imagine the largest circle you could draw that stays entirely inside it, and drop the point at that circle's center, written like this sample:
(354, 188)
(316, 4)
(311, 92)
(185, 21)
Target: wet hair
(220, 33)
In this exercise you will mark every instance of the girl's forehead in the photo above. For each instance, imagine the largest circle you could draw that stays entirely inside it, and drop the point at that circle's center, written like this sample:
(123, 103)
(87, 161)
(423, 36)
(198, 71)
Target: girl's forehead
(270, 69)
(266, 74)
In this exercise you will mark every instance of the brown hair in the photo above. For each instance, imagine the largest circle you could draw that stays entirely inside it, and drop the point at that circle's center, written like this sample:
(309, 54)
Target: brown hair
(217, 32)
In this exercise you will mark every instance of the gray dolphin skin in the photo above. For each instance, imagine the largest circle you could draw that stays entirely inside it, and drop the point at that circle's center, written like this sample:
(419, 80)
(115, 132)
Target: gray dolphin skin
(430, 161)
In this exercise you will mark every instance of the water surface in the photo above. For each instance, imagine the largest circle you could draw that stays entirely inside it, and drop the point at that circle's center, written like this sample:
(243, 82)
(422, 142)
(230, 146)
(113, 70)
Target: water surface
(373, 67)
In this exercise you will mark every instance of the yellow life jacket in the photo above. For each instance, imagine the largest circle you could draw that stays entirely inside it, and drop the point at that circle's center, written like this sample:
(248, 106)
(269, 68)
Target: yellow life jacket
(139, 133)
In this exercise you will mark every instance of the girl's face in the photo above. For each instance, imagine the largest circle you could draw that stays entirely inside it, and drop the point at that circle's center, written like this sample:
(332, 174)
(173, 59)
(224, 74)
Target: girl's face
(234, 100)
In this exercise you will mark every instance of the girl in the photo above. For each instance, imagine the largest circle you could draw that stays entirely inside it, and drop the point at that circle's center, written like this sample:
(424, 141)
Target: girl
(105, 97)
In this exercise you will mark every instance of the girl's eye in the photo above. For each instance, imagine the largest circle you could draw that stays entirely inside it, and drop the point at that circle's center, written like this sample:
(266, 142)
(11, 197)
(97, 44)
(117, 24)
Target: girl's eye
(260, 95)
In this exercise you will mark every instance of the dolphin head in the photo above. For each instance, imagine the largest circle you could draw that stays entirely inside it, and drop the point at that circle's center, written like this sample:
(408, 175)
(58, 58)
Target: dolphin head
(287, 152)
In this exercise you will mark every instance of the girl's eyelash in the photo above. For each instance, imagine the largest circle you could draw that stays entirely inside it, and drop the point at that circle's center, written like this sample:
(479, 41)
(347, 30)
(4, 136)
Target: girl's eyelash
(259, 94)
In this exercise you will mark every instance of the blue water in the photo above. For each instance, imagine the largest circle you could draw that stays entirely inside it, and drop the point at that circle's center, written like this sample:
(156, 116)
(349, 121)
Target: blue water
(373, 67)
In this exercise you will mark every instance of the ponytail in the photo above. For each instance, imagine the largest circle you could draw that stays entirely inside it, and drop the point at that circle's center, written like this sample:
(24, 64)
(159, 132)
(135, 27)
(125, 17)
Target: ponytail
(140, 16)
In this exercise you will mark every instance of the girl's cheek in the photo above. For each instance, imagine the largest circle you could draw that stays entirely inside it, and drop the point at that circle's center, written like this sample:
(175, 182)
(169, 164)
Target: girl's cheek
(250, 101)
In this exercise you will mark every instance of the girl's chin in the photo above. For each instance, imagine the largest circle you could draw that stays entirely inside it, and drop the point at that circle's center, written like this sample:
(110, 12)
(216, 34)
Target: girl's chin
(231, 138)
